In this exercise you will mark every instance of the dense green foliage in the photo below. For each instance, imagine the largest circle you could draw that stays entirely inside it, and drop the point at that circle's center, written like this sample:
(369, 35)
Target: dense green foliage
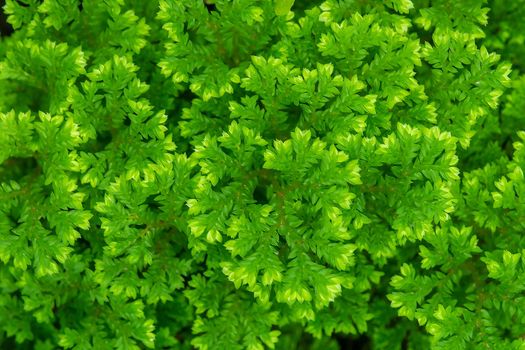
(252, 174)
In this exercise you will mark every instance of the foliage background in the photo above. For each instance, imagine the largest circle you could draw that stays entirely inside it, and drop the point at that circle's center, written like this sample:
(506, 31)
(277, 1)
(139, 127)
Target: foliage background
(180, 174)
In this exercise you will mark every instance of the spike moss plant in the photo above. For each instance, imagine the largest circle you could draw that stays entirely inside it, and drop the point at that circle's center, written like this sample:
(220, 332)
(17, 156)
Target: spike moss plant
(262, 174)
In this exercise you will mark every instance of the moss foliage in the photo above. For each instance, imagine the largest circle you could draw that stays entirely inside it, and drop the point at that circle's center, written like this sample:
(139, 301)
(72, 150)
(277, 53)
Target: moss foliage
(262, 174)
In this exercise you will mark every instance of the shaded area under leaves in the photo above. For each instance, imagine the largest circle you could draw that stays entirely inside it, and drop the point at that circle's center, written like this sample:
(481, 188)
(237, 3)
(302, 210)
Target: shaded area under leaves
(351, 342)
(5, 28)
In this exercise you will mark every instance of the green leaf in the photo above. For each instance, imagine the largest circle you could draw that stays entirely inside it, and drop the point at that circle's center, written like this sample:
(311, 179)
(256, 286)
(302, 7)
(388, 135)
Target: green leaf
(282, 7)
